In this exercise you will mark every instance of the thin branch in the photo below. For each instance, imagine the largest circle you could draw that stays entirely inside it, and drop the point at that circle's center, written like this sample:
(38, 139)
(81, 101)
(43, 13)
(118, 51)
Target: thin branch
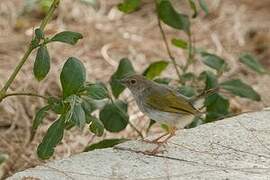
(168, 49)
(28, 51)
(25, 94)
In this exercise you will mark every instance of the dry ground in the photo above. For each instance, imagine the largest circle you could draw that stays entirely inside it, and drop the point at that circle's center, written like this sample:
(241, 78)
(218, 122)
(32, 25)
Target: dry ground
(232, 27)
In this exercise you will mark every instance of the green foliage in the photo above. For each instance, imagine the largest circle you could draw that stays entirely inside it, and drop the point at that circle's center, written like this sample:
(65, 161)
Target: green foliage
(42, 63)
(155, 69)
(171, 17)
(238, 88)
(67, 37)
(2, 158)
(214, 61)
(187, 91)
(193, 7)
(72, 76)
(40, 115)
(252, 63)
(107, 143)
(96, 91)
(124, 69)
(180, 43)
(53, 137)
(129, 6)
(204, 6)
(114, 116)
(96, 126)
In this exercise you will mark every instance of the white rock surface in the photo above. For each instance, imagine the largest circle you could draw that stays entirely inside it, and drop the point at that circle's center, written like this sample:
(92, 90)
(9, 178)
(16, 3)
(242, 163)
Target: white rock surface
(234, 148)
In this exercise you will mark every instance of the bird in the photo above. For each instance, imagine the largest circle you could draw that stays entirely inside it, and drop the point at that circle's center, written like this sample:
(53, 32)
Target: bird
(161, 103)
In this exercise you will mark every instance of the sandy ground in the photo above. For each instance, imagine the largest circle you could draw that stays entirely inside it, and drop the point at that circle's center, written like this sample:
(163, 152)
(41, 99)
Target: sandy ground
(231, 27)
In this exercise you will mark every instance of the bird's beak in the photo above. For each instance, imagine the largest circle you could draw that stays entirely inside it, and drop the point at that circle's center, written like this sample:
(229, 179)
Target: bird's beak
(123, 81)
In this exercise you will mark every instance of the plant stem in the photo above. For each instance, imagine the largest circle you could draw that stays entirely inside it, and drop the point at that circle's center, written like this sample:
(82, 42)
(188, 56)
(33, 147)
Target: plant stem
(190, 53)
(28, 51)
(169, 50)
(25, 94)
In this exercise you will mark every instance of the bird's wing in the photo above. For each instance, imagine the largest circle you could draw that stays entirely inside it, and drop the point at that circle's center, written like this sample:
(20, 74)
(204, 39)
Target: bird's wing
(167, 100)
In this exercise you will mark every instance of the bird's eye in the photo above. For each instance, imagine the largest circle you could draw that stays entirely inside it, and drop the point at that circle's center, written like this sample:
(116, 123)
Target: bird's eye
(133, 81)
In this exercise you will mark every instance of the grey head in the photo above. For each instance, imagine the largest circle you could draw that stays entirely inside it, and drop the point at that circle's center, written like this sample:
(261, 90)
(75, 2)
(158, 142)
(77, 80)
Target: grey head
(136, 83)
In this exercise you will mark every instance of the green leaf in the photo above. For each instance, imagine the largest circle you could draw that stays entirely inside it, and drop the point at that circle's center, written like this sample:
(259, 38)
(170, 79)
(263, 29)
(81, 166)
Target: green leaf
(251, 62)
(78, 116)
(214, 61)
(163, 80)
(53, 137)
(39, 34)
(88, 105)
(204, 6)
(171, 17)
(210, 79)
(67, 37)
(195, 122)
(42, 63)
(238, 88)
(96, 91)
(187, 91)
(193, 7)
(106, 143)
(217, 107)
(96, 126)
(38, 119)
(180, 43)
(124, 69)
(72, 76)
(129, 6)
(114, 116)
(155, 69)
(56, 105)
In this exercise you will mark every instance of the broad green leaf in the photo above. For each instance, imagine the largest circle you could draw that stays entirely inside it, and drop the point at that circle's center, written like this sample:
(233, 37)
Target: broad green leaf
(96, 126)
(210, 79)
(106, 143)
(53, 137)
(129, 6)
(217, 107)
(204, 6)
(252, 63)
(180, 43)
(56, 105)
(187, 91)
(96, 91)
(42, 63)
(71, 101)
(163, 80)
(39, 34)
(114, 116)
(124, 69)
(155, 69)
(67, 37)
(72, 76)
(193, 7)
(171, 17)
(88, 105)
(238, 88)
(214, 61)
(38, 119)
(78, 116)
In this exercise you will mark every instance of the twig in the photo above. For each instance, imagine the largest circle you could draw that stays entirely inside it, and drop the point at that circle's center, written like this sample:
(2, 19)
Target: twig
(28, 51)
(168, 49)
(25, 94)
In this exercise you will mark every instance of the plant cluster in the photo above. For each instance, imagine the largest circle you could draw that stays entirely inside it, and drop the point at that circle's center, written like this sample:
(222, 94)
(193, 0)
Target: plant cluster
(79, 98)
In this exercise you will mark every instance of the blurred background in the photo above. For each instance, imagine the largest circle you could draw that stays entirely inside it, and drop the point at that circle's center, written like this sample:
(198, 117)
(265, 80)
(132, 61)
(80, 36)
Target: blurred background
(109, 35)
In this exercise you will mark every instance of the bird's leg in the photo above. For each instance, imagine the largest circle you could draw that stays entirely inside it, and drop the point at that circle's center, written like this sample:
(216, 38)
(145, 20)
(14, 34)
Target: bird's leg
(156, 141)
(160, 143)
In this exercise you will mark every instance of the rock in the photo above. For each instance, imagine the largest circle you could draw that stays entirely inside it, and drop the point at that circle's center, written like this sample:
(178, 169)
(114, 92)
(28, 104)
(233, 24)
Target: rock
(234, 148)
